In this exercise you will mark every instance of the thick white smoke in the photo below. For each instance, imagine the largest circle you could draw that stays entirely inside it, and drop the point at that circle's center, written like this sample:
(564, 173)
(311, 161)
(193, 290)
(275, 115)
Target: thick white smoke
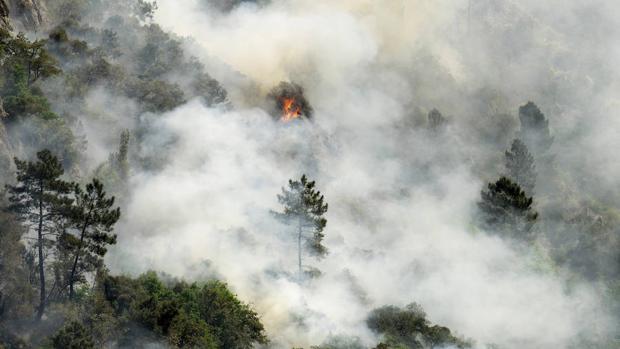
(401, 200)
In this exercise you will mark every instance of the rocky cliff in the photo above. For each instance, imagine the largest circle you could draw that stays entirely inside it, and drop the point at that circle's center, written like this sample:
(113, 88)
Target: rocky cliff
(31, 14)
(28, 15)
(4, 14)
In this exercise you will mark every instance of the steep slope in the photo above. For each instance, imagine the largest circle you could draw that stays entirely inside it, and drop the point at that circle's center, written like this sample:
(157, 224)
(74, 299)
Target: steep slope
(4, 14)
(30, 14)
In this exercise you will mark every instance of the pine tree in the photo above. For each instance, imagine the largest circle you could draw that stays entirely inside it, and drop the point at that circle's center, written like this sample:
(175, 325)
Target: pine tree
(304, 209)
(507, 210)
(534, 130)
(120, 160)
(40, 198)
(93, 218)
(435, 120)
(520, 166)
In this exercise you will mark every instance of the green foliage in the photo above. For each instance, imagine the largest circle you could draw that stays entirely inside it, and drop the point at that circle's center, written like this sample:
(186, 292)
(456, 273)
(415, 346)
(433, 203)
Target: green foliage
(92, 218)
(96, 71)
(409, 328)
(235, 324)
(63, 47)
(31, 56)
(340, 342)
(156, 96)
(303, 208)
(193, 315)
(520, 166)
(507, 210)
(73, 336)
(22, 100)
(189, 331)
(40, 197)
(160, 55)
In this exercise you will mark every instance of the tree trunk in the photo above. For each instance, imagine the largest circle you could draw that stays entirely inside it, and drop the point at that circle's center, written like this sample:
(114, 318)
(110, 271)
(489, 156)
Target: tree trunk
(299, 249)
(75, 261)
(41, 309)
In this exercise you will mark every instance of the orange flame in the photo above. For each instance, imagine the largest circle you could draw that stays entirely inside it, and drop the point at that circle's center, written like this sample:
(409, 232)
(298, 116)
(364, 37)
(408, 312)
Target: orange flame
(290, 109)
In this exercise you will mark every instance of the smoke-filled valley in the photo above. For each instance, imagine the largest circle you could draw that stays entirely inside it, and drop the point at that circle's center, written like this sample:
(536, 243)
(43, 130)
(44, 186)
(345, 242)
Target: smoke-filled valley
(309, 174)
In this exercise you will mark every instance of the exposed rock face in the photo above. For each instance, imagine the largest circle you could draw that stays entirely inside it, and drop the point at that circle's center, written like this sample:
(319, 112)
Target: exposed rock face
(2, 112)
(31, 14)
(4, 14)
(7, 167)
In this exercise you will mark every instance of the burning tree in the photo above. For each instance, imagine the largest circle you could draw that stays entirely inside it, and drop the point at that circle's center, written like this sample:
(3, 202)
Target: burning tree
(304, 210)
(290, 102)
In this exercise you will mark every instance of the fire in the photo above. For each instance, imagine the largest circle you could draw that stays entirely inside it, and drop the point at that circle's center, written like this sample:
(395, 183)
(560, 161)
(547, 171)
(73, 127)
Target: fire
(290, 109)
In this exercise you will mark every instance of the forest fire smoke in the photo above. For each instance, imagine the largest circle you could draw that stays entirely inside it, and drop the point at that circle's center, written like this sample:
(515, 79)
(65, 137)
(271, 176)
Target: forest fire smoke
(290, 103)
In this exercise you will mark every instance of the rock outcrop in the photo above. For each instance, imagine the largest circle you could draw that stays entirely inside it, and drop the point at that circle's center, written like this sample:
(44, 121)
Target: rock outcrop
(29, 14)
(4, 14)
(7, 167)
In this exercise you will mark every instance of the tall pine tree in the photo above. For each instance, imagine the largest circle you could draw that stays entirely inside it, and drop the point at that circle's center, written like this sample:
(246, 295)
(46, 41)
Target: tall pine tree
(40, 198)
(304, 208)
(93, 218)
(520, 166)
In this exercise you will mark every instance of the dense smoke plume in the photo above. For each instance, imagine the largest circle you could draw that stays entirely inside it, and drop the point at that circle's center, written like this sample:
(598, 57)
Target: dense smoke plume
(401, 196)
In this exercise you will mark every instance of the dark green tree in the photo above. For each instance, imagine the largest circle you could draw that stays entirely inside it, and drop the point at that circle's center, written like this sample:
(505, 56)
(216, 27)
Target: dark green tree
(202, 316)
(73, 336)
(29, 55)
(120, 160)
(189, 331)
(534, 130)
(304, 209)
(409, 328)
(234, 324)
(520, 166)
(40, 198)
(93, 218)
(507, 210)
(22, 63)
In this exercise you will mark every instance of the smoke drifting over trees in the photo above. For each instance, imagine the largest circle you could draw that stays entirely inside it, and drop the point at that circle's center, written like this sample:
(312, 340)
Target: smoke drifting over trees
(466, 150)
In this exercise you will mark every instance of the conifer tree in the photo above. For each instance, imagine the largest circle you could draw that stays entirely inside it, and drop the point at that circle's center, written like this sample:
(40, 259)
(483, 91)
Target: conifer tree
(520, 166)
(304, 209)
(534, 130)
(40, 198)
(507, 210)
(435, 120)
(93, 218)
(120, 160)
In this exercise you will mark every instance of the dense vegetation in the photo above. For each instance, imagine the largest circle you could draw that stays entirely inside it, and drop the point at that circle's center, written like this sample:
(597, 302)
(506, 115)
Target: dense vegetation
(54, 288)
